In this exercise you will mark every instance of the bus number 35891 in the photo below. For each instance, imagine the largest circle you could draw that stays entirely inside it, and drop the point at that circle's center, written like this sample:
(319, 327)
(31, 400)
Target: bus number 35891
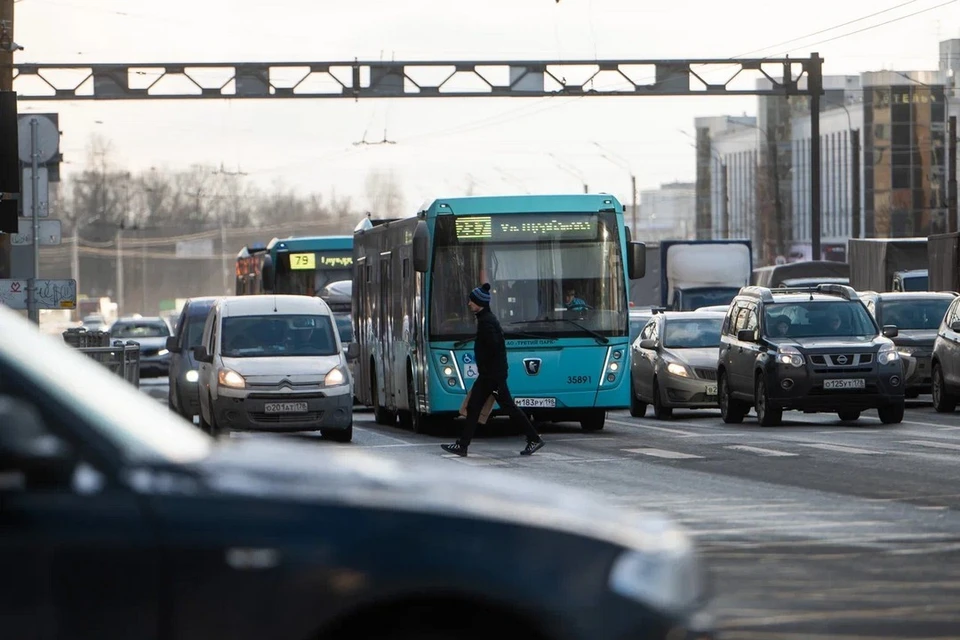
(578, 379)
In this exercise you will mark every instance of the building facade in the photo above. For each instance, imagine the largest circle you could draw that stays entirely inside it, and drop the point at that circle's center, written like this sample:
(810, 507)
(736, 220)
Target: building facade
(668, 212)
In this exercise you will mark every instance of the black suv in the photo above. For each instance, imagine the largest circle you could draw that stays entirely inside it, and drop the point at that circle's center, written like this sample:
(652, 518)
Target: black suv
(809, 350)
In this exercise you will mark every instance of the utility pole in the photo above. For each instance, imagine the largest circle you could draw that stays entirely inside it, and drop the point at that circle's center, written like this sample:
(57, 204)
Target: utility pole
(120, 269)
(7, 46)
(952, 177)
(633, 189)
(856, 220)
(725, 218)
(7, 183)
(815, 85)
(33, 307)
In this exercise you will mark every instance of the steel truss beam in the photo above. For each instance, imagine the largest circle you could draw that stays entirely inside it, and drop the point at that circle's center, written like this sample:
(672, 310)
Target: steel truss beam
(413, 79)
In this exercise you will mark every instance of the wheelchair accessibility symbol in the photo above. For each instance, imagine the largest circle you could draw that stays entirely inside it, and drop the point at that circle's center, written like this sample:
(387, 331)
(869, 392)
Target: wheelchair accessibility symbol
(467, 358)
(470, 371)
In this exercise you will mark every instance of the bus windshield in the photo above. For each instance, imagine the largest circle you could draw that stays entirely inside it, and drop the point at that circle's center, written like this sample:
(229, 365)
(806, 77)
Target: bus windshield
(544, 269)
(310, 272)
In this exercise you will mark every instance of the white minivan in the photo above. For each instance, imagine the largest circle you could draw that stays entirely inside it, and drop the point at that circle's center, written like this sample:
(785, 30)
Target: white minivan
(275, 363)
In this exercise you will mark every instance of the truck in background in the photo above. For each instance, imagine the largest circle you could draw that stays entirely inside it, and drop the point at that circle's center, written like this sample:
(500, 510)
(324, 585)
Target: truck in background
(944, 262)
(703, 273)
(888, 264)
(805, 273)
(645, 292)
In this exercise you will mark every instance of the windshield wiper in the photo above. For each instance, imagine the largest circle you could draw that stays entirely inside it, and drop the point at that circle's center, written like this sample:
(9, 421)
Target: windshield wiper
(506, 334)
(601, 339)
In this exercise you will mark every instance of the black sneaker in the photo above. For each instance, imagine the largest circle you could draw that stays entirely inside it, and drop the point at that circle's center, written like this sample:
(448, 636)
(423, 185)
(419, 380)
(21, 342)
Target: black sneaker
(456, 448)
(532, 447)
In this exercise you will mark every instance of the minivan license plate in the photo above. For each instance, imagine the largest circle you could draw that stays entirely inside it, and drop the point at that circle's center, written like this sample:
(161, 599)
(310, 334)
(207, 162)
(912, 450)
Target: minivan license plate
(285, 407)
(536, 402)
(853, 383)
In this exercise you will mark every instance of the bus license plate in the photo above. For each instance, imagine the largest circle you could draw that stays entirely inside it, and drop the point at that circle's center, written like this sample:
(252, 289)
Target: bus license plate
(712, 390)
(854, 383)
(538, 403)
(285, 407)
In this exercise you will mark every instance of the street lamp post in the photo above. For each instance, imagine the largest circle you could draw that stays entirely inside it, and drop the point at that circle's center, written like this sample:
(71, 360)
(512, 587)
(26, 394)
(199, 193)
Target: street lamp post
(568, 168)
(623, 164)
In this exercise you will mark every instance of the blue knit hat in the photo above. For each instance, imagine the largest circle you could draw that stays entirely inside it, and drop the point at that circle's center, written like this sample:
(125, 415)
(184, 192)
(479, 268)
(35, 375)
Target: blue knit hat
(481, 295)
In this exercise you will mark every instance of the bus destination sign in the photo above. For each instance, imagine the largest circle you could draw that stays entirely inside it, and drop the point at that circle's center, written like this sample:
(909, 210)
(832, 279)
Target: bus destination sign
(314, 261)
(526, 228)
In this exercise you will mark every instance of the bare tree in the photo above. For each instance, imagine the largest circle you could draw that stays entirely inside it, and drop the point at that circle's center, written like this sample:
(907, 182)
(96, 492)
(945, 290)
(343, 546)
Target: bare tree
(384, 193)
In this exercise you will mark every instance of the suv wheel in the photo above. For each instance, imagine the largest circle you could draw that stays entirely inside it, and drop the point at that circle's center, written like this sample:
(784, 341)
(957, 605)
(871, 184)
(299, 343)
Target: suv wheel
(732, 411)
(766, 416)
(638, 408)
(891, 413)
(943, 402)
(659, 411)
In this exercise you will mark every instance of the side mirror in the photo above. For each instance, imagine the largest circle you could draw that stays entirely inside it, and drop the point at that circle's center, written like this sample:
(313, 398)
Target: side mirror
(636, 260)
(172, 345)
(747, 335)
(353, 351)
(955, 326)
(26, 445)
(268, 274)
(890, 331)
(200, 354)
(648, 343)
(421, 248)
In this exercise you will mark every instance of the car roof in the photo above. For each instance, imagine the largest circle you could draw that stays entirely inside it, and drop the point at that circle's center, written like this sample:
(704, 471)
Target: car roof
(793, 298)
(200, 306)
(267, 304)
(141, 320)
(692, 315)
(914, 295)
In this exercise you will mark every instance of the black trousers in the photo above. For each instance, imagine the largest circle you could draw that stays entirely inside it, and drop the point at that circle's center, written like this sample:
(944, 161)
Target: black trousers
(482, 388)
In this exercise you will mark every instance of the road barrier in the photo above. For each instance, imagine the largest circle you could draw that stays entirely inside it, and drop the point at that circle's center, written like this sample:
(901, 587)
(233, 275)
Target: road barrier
(121, 358)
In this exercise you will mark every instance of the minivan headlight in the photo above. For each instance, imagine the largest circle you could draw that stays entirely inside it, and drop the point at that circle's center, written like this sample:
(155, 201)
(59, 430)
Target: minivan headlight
(334, 377)
(191, 376)
(230, 378)
(789, 356)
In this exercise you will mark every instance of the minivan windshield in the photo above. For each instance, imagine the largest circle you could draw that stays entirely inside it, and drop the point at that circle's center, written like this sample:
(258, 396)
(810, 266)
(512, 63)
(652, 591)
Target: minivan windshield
(819, 319)
(277, 335)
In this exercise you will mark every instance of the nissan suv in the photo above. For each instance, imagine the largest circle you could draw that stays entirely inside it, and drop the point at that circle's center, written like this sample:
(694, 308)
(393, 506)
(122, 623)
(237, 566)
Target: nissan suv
(811, 350)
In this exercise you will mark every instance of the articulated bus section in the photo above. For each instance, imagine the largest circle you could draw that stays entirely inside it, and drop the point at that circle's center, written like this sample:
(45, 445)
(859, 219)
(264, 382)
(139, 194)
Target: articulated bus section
(558, 267)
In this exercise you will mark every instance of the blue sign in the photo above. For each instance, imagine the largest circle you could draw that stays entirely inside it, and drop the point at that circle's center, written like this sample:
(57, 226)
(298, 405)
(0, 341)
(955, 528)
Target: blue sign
(467, 358)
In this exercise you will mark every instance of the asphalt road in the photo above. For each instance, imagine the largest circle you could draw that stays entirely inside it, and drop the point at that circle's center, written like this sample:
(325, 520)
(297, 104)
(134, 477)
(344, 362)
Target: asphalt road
(816, 529)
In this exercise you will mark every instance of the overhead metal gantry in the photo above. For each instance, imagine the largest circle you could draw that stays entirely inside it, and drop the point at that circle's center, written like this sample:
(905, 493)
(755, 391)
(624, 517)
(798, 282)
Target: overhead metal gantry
(433, 79)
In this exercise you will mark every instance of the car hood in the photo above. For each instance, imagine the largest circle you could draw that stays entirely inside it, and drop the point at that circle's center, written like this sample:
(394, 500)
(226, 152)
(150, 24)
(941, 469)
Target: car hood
(916, 338)
(274, 368)
(703, 357)
(273, 467)
(820, 344)
(147, 343)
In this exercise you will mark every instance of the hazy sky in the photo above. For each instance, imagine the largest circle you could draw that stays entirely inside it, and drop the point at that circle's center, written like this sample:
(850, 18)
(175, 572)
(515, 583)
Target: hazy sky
(443, 145)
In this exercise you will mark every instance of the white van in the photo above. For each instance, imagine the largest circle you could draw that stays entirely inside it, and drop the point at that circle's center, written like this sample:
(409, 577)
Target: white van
(275, 363)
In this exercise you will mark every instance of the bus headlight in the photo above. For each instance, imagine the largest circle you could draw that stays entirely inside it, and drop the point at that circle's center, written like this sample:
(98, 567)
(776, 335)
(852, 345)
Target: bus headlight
(448, 371)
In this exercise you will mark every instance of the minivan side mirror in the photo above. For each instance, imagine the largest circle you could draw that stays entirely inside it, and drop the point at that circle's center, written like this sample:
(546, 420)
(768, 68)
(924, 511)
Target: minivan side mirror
(421, 248)
(28, 447)
(648, 343)
(353, 351)
(200, 354)
(172, 345)
(955, 326)
(746, 335)
(890, 331)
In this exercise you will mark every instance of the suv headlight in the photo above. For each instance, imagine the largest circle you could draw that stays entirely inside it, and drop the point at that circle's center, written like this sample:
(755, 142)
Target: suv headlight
(334, 378)
(790, 356)
(669, 579)
(230, 378)
(888, 354)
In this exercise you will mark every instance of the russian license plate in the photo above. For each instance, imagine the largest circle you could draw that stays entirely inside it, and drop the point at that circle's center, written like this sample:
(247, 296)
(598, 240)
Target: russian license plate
(846, 383)
(285, 407)
(538, 403)
(711, 390)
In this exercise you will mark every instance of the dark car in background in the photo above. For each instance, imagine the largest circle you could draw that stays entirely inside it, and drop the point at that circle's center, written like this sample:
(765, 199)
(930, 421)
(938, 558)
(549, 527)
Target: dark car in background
(183, 395)
(917, 315)
(151, 334)
(121, 520)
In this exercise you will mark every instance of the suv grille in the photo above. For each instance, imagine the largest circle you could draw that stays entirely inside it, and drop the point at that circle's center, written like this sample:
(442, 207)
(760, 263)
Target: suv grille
(841, 360)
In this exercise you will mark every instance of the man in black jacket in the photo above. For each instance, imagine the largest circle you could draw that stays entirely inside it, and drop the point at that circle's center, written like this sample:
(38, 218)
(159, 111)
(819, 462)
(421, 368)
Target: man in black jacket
(490, 354)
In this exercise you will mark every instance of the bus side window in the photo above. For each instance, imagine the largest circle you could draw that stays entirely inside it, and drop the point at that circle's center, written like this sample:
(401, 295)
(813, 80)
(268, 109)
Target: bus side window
(405, 268)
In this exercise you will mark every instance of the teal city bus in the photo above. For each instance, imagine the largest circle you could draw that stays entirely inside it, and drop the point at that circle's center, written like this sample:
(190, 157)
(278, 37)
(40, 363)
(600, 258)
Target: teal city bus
(298, 266)
(558, 266)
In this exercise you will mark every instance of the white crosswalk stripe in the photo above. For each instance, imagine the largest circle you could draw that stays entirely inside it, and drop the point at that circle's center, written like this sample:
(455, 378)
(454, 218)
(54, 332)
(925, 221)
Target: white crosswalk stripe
(662, 453)
(767, 453)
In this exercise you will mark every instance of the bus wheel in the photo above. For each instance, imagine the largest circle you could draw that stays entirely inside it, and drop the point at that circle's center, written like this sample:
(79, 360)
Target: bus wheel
(593, 420)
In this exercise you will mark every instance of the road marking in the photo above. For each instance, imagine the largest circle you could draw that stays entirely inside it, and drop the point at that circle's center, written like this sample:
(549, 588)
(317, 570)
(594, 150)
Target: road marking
(662, 453)
(768, 453)
(930, 443)
(405, 444)
(842, 449)
(650, 426)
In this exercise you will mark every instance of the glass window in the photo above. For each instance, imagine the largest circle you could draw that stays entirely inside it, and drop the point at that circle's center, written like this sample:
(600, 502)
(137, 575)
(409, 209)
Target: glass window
(915, 313)
(132, 330)
(692, 333)
(344, 326)
(915, 283)
(811, 319)
(329, 266)
(277, 335)
(193, 332)
(532, 278)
